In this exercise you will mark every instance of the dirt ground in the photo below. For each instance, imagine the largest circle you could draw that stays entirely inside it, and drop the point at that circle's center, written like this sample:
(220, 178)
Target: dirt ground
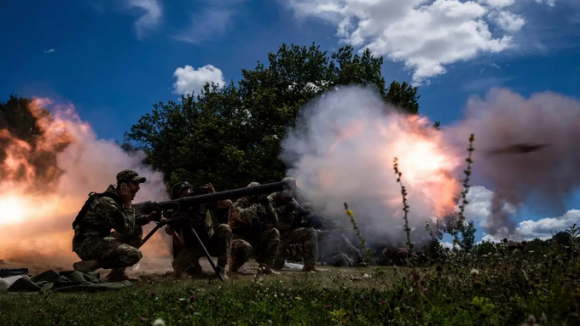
(147, 267)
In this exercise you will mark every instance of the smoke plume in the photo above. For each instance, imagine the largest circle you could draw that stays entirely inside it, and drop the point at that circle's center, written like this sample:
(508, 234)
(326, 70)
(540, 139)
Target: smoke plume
(342, 150)
(39, 199)
(344, 143)
(527, 150)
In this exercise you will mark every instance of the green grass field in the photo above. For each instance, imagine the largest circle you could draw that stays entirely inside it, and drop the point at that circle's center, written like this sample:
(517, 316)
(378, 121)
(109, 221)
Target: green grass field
(498, 288)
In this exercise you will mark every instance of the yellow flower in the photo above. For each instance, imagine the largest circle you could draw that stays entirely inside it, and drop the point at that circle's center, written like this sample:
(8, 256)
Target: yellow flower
(349, 212)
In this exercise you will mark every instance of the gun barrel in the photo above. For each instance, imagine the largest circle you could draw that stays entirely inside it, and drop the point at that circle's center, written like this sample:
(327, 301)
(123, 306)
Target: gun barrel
(267, 188)
(236, 193)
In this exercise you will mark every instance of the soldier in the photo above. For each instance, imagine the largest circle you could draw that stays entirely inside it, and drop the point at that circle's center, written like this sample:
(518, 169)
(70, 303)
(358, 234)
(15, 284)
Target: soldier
(217, 236)
(291, 215)
(252, 221)
(93, 241)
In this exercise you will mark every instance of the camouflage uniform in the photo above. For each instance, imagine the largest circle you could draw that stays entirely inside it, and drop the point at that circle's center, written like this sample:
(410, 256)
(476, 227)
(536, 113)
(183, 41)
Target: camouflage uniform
(307, 237)
(93, 240)
(218, 244)
(244, 244)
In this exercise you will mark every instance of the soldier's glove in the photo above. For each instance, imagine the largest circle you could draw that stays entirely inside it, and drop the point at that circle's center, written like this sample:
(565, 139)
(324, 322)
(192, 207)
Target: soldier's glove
(264, 201)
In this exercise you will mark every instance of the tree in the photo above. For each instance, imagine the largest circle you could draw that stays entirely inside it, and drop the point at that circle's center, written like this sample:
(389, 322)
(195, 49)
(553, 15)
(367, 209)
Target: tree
(231, 135)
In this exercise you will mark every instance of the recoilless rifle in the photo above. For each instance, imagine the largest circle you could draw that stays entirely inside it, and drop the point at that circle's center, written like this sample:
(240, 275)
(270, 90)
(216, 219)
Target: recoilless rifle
(196, 206)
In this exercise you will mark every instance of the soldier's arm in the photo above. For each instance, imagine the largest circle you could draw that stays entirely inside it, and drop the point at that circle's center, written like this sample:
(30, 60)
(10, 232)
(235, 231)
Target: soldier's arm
(271, 216)
(122, 219)
(141, 219)
(244, 214)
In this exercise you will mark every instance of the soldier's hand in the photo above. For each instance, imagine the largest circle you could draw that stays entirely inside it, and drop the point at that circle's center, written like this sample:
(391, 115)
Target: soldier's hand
(169, 230)
(151, 216)
(210, 188)
(125, 194)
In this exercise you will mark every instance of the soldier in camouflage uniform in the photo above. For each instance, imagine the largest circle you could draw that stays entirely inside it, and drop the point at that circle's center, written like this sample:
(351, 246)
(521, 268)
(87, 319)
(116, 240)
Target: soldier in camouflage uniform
(93, 241)
(218, 238)
(286, 208)
(252, 221)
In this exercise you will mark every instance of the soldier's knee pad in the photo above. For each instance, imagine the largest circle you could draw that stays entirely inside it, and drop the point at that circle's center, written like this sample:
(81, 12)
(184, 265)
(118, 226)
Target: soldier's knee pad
(273, 234)
(134, 256)
(223, 229)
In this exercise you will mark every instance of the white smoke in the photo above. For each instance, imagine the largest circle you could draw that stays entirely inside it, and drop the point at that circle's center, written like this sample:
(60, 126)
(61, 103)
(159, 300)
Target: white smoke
(342, 150)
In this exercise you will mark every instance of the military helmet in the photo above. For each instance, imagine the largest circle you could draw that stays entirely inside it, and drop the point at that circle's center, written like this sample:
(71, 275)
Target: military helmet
(178, 187)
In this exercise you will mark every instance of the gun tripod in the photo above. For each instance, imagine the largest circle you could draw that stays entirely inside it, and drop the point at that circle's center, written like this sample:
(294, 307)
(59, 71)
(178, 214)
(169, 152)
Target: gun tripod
(183, 222)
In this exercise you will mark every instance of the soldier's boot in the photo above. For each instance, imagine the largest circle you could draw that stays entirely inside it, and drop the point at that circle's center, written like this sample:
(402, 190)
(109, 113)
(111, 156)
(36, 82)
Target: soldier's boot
(87, 265)
(267, 269)
(119, 275)
(279, 263)
(312, 268)
(223, 273)
(233, 267)
(195, 270)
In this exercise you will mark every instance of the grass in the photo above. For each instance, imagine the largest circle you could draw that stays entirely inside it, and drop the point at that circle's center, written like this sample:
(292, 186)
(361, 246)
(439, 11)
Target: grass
(497, 288)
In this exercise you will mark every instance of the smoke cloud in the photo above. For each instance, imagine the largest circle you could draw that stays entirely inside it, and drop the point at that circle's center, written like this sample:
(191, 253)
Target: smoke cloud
(344, 143)
(543, 177)
(342, 150)
(36, 222)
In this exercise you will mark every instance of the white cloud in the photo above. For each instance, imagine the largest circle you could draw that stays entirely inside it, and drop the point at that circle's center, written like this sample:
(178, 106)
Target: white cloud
(508, 21)
(152, 12)
(550, 3)
(190, 79)
(213, 20)
(542, 229)
(425, 35)
(498, 3)
(446, 244)
(479, 205)
(206, 25)
(49, 51)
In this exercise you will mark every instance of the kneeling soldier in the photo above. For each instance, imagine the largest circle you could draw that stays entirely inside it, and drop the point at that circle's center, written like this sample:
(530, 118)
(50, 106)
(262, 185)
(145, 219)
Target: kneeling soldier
(216, 237)
(93, 241)
(252, 221)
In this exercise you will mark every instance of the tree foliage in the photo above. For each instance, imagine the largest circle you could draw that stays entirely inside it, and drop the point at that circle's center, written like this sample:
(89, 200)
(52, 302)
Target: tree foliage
(231, 135)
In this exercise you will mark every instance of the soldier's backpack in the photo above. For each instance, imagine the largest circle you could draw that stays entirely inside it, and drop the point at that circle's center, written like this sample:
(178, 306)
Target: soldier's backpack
(92, 197)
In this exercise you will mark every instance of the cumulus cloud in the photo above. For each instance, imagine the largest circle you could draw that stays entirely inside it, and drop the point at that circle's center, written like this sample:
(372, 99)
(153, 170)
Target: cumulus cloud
(425, 35)
(150, 18)
(191, 80)
(508, 21)
(541, 229)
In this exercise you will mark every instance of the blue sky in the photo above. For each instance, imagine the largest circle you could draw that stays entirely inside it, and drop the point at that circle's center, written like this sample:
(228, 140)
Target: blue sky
(115, 59)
